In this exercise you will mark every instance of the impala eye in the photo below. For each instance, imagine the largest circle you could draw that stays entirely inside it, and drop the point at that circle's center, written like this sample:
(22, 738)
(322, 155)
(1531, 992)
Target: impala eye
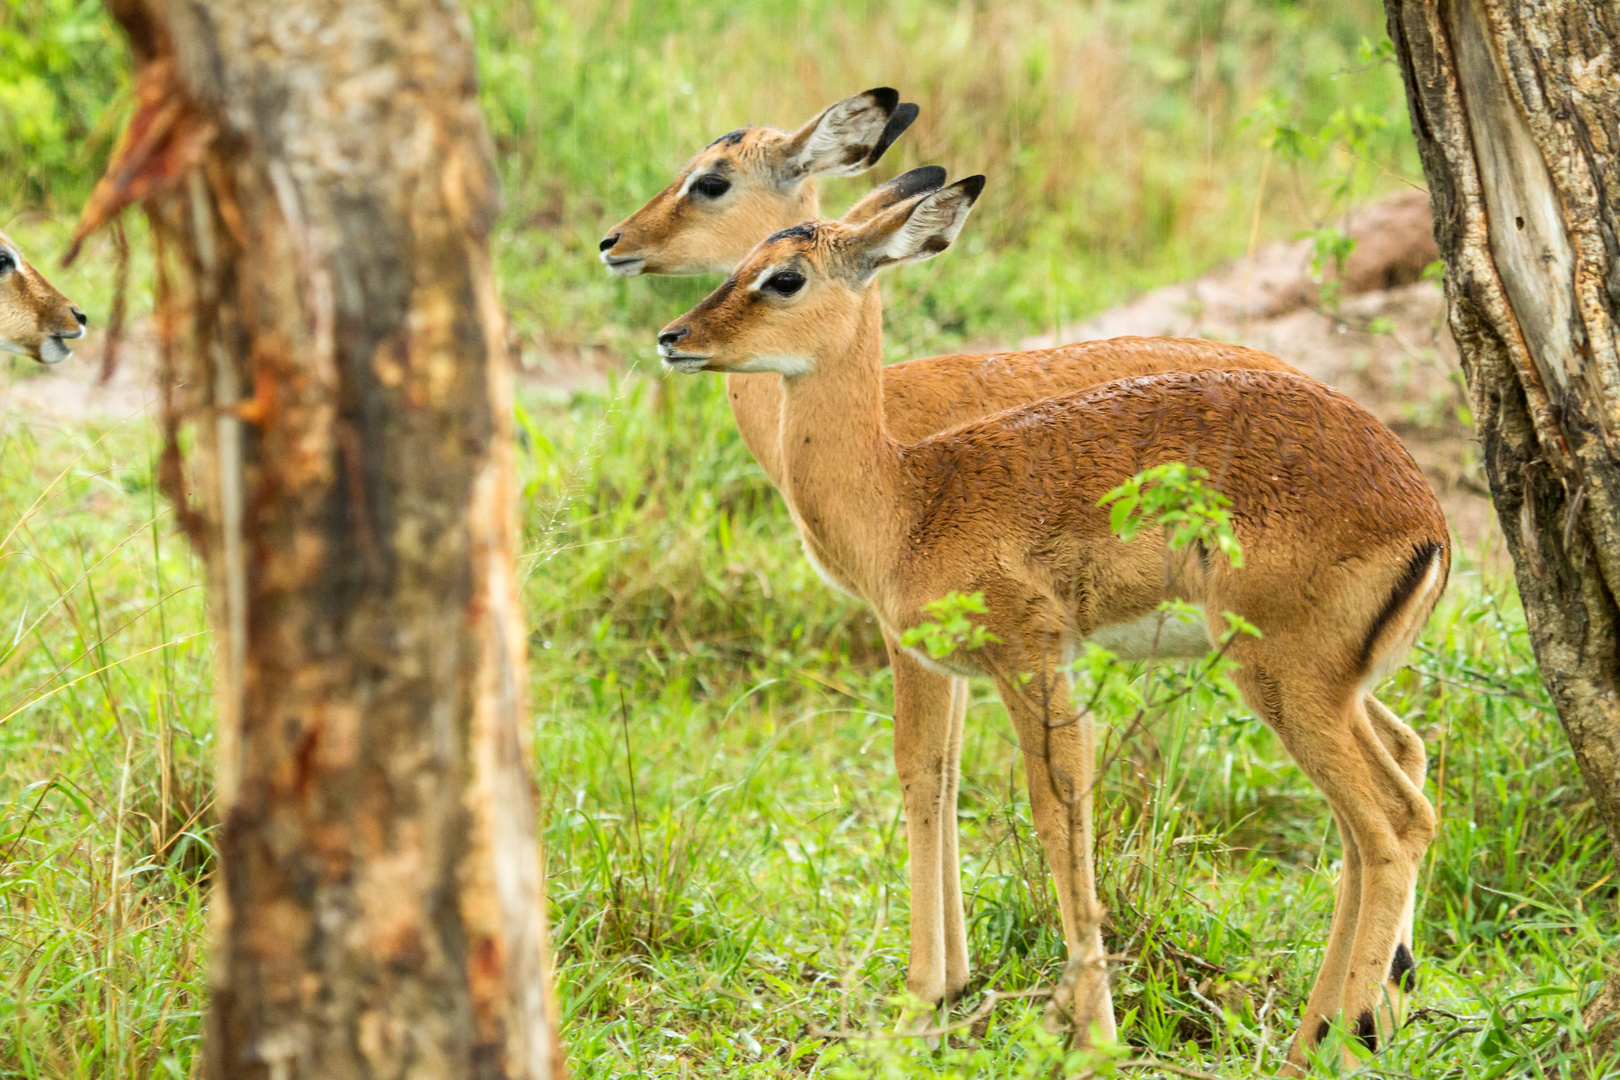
(786, 283)
(7, 263)
(711, 187)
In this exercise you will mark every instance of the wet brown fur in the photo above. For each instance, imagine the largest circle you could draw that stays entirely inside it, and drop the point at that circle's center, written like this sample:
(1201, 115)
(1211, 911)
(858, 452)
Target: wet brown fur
(32, 311)
(1327, 504)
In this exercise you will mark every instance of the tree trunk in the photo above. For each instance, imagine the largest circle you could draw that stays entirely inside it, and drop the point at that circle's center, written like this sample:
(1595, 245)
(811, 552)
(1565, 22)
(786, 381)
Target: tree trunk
(319, 180)
(1516, 108)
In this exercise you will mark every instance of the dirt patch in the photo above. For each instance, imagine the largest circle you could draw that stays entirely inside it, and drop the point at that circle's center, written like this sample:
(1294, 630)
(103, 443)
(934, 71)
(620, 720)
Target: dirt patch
(1383, 340)
(72, 391)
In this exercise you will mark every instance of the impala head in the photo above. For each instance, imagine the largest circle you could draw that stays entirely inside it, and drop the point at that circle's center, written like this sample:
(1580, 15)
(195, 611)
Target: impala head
(35, 319)
(803, 290)
(749, 184)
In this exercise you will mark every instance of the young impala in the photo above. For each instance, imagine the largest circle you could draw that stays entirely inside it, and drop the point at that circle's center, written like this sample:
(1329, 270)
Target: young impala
(35, 319)
(755, 181)
(1345, 553)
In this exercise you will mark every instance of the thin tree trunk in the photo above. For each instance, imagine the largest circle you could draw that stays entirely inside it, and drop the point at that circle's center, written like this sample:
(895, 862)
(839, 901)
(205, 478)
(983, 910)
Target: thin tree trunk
(320, 184)
(1516, 108)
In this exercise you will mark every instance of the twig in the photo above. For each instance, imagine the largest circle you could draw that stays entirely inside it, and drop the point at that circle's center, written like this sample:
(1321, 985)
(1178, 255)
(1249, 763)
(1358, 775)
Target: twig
(1260, 1018)
(985, 1007)
(1165, 1066)
(1485, 681)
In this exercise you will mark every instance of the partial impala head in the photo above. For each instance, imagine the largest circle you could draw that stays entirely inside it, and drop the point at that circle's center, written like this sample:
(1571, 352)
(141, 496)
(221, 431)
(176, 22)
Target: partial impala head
(35, 319)
(802, 289)
(750, 183)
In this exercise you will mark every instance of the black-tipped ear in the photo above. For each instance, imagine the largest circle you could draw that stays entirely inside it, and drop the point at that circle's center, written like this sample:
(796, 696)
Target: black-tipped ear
(917, 228)
(847, 137)
(884, 97)
(905, 186)
(903, 116)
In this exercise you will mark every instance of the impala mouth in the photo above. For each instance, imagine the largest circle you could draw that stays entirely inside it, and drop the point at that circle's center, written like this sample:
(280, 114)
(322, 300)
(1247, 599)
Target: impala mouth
(685, 363)
(623, 265)
(55, 348)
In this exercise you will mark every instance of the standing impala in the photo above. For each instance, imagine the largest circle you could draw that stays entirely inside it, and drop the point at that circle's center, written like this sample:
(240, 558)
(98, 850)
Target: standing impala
(755, 181)
(35, 319)
(1345, 554)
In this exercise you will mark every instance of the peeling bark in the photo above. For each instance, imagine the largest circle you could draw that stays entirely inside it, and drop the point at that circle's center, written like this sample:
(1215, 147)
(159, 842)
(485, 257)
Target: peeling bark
(1516, 109)
(321, 191)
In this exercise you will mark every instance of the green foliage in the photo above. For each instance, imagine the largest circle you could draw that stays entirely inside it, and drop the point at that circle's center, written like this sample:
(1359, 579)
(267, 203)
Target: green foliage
(680, 643)
(59, 99)
(950, 628)
(1173, 497)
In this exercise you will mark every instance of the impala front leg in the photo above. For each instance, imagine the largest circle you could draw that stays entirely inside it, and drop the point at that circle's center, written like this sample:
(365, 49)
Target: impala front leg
(925, 757)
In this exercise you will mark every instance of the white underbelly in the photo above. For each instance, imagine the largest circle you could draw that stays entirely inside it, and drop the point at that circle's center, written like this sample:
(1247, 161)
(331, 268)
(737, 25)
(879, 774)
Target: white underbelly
(825, 574)
(1158, 634)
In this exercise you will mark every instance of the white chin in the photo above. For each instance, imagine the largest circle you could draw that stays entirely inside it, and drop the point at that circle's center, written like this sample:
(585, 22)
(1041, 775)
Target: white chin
(627, 269)
(54, 351)
(691, 366)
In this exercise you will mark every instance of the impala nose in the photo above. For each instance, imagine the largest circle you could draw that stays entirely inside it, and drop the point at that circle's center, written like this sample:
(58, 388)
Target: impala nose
(669, 337)
(84, 320)
(608, 242)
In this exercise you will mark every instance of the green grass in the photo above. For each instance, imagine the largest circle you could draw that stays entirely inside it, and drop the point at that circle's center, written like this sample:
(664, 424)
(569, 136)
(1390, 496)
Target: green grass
(723, 833)
(753, 881)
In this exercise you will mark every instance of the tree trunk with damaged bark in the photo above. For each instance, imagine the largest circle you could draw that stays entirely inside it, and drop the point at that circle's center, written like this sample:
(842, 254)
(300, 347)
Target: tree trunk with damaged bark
(319, 180)
(1516, 108)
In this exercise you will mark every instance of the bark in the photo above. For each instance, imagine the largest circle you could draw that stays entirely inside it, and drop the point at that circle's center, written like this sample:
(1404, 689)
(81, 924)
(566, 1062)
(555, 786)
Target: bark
(320, 183)
(1516, 108)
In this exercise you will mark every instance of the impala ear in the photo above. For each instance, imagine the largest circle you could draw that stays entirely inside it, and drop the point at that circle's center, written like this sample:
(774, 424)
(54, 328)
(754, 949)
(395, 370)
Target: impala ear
(848, 137)
(905, 186)
(916, 228)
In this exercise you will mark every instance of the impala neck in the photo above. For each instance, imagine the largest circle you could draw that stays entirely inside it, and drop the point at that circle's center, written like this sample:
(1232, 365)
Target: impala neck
(756, 405)
(841, 468)
(756, 399)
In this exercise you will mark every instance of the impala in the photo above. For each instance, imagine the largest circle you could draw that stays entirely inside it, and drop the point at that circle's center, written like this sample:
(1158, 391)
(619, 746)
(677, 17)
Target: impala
(35, 319)
(1345, 554)
(735, 192)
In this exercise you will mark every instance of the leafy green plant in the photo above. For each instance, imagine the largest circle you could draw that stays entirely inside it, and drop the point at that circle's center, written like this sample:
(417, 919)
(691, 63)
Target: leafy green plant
(1174, 497)
(59, 97)
(950, 628)
(1330, 247)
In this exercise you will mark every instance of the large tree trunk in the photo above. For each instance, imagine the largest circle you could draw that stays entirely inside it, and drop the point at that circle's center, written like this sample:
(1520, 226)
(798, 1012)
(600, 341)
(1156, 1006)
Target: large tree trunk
(1516, 108)
(319, 179)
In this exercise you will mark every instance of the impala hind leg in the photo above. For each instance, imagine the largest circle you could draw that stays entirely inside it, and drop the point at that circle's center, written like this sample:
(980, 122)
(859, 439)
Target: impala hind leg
(925, 759)
(1400, 823)
(1406, 747)
(1059, 747)
(1384, 814)
(1327, 992)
